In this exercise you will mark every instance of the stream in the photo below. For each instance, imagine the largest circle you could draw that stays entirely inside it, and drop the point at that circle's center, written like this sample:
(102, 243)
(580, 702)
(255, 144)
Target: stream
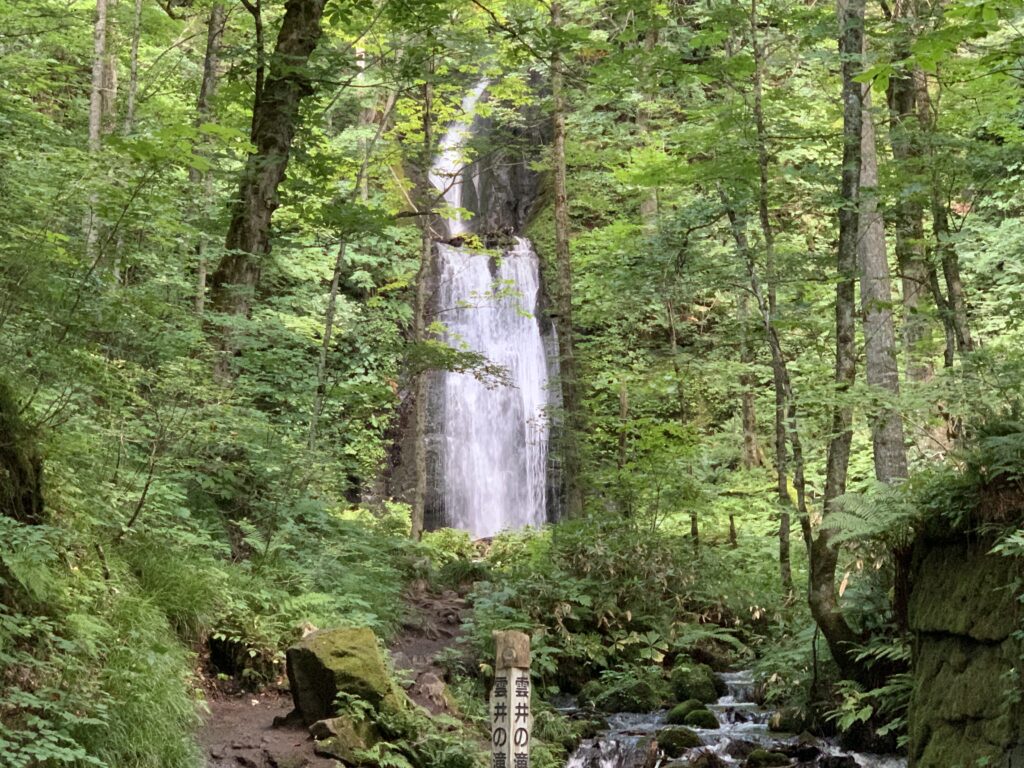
(630, 739)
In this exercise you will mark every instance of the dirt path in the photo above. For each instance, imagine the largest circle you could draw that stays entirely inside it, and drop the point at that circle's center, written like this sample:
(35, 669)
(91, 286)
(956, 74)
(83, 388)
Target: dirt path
(254, 730)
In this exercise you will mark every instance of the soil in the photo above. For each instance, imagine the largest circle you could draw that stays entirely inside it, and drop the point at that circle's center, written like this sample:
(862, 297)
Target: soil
(259, 730)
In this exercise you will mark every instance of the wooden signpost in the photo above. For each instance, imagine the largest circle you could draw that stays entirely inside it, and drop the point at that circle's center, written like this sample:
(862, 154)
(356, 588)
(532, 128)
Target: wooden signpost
(511, 719)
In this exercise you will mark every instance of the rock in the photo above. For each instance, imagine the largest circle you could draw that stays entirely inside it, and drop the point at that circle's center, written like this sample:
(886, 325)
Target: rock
(837, 761)
(705, 759)
(333, 661)
(341, 737)
(805, 750)
(433, 689)
(762, 758)
(674, 742)
(701, 718)
(678, 713)
(694, 681)
(740, 749)
(636, 696)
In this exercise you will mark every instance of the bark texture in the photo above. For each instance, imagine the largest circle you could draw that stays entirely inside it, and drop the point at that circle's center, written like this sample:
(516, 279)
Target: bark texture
(274, 121)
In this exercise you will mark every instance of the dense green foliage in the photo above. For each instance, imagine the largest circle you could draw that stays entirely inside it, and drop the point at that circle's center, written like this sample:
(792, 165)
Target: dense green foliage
(178, 482)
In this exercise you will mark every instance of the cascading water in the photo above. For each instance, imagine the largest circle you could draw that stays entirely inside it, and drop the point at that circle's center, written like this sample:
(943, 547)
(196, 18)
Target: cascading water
(493, 452)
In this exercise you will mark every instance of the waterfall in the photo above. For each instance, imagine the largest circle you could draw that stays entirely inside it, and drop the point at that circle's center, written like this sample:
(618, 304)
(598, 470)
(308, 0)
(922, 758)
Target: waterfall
(493, 447)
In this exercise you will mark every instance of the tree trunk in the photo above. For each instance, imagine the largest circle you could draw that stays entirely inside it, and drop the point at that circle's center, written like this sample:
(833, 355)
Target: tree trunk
(563, 299)
(133, 68)
(419, 331)
(96, 107)
(767, 305)
(204, 109)
(881, 367)
(670, 312)
(908, 216)
(822, 596)
(274, 120)
(751, 455)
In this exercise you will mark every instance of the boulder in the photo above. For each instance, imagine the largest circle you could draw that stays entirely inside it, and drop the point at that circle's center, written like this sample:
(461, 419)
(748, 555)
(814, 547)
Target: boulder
(678, 713)
(334, 661)
(695, 681)
(635, 696)
(341, 737)
(762, 758)
(705, 759)
(701, 718)
(674, 742)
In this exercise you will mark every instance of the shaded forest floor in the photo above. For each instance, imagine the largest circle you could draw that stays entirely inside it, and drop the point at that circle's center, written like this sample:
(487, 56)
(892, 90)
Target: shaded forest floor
(246, 729)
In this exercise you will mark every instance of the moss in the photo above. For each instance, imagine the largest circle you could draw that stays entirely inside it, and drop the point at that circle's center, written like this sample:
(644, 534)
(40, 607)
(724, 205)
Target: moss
(631, 696)
(344, 660)
(694, 681)
(762, 758)
(674, 742)
(678, 713)
(343, 738)
(701, 718)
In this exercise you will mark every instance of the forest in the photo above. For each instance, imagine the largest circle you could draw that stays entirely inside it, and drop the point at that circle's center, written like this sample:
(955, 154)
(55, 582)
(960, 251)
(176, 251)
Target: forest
(343, 337)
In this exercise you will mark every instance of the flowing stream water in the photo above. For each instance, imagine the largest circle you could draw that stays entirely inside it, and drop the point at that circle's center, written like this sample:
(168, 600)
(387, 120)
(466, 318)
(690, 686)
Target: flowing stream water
(494, 447)
(630, 741)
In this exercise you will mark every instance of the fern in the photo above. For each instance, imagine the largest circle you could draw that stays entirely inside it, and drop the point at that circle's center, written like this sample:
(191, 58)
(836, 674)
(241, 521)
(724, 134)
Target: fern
(883, 512)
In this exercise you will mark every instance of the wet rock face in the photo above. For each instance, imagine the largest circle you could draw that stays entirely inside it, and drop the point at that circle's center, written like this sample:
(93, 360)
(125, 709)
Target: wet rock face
(963, 616)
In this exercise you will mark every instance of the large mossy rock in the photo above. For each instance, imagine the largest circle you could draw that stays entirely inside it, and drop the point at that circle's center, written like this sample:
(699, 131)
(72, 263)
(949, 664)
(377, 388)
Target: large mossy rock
(964, 617)
(690, 680)
(701, 718)
(333, 661)
(678, 713)
(634, 696)
(676, 742)
(762, 758)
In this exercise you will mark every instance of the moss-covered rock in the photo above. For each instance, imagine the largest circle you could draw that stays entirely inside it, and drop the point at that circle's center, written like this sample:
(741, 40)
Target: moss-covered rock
(690, 680)
(762, 758)
(678, 713)
(631, 696)
(21, 466)
(674, 742)
(701, 718)
(345, 660)
(342, 738)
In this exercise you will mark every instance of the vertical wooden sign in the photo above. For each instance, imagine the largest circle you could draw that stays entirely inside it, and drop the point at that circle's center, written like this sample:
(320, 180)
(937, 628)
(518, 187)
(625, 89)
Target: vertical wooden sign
(511, 718)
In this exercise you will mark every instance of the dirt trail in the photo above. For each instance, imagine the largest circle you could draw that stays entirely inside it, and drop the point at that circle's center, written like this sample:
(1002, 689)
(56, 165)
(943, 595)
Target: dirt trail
(254, 730)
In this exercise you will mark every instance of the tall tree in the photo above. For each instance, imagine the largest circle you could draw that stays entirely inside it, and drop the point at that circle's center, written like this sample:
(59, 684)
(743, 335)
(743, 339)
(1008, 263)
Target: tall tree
(563, 293)
(881, 367)
(274, 121)
(822, 595)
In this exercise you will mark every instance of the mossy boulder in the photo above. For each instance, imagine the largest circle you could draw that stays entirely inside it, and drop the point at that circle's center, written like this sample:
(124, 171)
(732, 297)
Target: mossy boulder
(632, 696)
(674, 742)
(701, 718)
(762, 758)
(678, 713)
(334, 661)
(342, 737)
(690, 680)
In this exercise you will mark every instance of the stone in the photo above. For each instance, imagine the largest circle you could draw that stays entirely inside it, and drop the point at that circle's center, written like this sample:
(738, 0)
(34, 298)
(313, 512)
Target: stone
(740, 749)
(678, 713)
(701, 718)
(705, 759)
(341, 737)
(635, 696)
(690, 680)
(762, 758)
(675, 742)
(333, 661)
(837, 761)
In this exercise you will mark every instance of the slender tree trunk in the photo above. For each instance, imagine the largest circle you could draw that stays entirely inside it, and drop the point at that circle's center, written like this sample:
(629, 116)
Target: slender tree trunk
(204, 110)
(133, 68)
(881, 367)
(563, 302)
(421, 386)
(751, 456)
(908, 216)
(822, 596)
(683, 410)
(96, 107)
(767, 306)
(274, 121)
